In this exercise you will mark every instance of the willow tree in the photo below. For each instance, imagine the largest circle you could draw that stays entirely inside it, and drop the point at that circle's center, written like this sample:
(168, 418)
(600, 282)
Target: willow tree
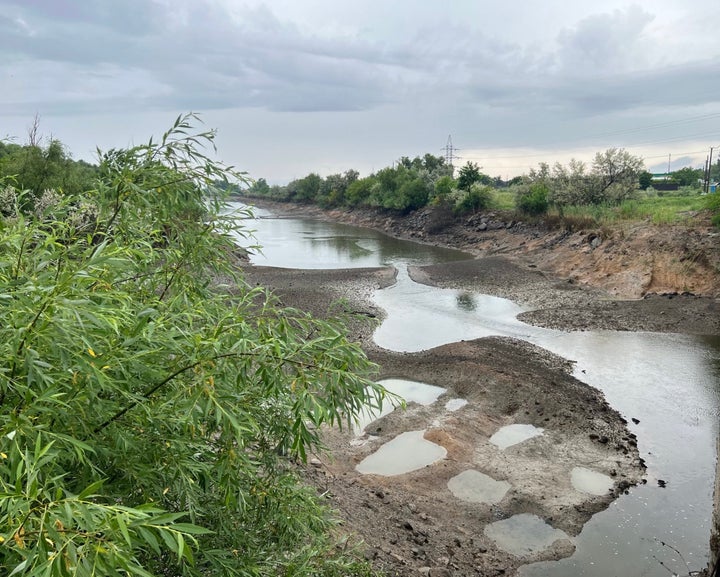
(150, 401)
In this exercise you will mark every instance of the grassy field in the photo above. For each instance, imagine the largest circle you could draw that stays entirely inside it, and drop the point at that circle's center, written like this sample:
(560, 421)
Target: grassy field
(669, 208)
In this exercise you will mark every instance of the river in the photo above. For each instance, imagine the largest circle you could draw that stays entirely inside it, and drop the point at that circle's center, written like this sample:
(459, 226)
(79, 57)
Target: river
(668, 383)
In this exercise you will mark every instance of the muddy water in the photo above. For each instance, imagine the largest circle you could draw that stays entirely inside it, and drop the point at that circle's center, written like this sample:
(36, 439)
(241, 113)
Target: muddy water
(669, 383)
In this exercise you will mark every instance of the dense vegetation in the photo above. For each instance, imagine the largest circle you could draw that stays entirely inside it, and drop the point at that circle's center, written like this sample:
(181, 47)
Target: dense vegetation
(37, 168)
(614, 186)
(151, 403)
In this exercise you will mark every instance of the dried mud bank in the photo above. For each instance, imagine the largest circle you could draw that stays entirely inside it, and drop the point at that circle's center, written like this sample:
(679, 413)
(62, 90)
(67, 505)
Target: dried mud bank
(412, 524)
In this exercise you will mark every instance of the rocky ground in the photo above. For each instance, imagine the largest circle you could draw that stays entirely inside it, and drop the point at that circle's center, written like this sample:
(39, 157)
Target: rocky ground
(412, 524)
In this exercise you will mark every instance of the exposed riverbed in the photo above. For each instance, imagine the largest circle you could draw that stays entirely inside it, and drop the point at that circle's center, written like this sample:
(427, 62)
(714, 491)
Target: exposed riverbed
(669, 383)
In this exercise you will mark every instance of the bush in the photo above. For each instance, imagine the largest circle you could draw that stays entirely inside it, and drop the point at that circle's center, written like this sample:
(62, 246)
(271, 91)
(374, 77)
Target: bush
(533, 200)
(150, 398)
(477, 198)
(712, 202)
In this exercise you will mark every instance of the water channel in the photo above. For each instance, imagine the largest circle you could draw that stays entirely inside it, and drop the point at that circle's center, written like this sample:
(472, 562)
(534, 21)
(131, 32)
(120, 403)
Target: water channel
(669, 383)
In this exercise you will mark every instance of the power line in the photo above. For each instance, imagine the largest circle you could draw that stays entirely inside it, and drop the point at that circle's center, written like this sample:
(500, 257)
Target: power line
(660, 124)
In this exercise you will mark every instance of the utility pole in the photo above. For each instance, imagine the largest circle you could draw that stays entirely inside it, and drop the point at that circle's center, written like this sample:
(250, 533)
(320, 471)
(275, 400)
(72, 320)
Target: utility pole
(709, 172)
(450, 152)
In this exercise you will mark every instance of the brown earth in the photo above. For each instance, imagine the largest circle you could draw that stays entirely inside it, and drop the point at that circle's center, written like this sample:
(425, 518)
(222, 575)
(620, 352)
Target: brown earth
(412, 524)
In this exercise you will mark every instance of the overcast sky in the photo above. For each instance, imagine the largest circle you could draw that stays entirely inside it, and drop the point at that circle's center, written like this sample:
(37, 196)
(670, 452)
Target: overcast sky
(296, 86)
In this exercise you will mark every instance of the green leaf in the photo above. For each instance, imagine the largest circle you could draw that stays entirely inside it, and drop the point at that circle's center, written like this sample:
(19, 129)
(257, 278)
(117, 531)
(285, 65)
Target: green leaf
(91, 490)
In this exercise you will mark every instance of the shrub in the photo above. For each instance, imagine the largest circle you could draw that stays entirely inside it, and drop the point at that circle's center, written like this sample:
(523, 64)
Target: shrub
(148, 411)
(712, 202)
(477, 198)
(533, 200)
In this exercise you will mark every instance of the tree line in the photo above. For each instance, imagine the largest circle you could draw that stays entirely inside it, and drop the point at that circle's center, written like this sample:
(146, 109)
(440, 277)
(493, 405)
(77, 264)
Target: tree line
(613, 177)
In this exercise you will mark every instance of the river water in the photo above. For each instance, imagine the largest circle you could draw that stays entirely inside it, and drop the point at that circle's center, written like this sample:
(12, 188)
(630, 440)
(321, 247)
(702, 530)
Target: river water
(669, 383)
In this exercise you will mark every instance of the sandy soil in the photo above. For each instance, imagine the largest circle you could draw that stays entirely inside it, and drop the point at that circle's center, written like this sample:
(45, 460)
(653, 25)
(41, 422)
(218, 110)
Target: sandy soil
(412, 524)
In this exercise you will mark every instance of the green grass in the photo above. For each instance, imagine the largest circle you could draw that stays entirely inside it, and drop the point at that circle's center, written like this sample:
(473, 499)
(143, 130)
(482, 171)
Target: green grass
(657, 209)
(503, 199)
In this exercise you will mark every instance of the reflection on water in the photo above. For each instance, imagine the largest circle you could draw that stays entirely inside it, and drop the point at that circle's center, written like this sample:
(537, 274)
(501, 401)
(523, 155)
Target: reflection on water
(413, 308)
(409, 391)
(514, 434)
(314, 244)
(523, 534)
(476, 487)
(589, 481)
(407, 452)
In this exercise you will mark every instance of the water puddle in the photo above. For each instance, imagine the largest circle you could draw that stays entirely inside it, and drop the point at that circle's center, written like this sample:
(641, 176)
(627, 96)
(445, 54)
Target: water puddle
(476, 487)
(405, 453)
(524, 534)
(591, 482)
(513, 434)
(410, 391)
(455, 404)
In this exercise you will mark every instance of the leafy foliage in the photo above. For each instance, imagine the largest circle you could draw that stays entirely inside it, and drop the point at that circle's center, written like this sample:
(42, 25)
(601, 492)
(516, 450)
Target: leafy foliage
(473, 200)
(532, 199)
(688, 176)
(39, 168)
(406, 186)
(712, 203)
(150, 399)
(613, 178)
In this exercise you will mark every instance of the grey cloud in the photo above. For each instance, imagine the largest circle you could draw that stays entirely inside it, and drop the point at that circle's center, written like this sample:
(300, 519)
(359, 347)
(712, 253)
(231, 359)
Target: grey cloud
(202, 57)
(604, 42)
(134, 17)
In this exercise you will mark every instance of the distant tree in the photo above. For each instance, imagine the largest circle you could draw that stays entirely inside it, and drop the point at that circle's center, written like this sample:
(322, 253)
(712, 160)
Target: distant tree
(38, 168)
(688, 176)
(260, 187)
(444, 187)
(358, 192)
(614, 177)
(304, 189)
(469, 175)
(645, 179)
(333, 188)
(515, 181)
(433, 163)
(616, 171)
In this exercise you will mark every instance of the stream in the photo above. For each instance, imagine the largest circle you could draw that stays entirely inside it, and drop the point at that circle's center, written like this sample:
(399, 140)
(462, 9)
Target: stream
(668, 383)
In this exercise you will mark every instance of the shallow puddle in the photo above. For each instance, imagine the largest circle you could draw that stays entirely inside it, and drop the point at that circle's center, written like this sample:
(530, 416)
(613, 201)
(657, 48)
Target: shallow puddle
(591, 482)
(513, 434)
(476, 487)
(454, 404)
(524, 534)
(405, 453)
(411, 391)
